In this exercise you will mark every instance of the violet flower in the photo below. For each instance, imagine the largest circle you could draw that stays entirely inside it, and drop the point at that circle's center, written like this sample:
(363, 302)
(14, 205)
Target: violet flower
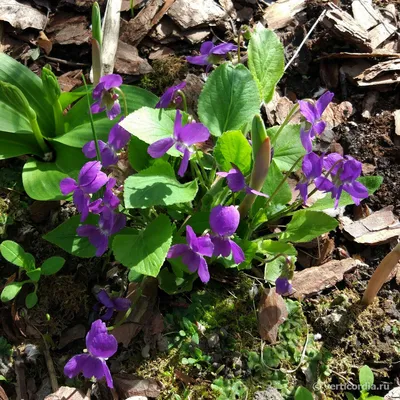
(344, 172)
(109, 224)
(90, 180)
(184, 137)
(109, 200)
(224, 222)
(211, 54)
(112, 304)
(117, 139)
(106, 99)
(170, 95)
(283, 286)
(312, 170)
(192, 253)
(101, 346)
(236, 182)
(313, 113)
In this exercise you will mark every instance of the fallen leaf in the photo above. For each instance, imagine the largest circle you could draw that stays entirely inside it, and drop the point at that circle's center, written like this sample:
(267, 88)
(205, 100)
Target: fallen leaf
(130, 385)
(72, 334)
(281, 13)
(66, 392)
(336, 114)
(70, 80)
(272, 313)
(379, 227)
(186, 379)
(3, 395)
(22, 15)
(44, 42)
(312, 280)
(127, 61)
(69, 29)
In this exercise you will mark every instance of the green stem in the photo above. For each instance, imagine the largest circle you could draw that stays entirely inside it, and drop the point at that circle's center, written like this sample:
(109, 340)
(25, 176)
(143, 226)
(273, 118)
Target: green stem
(119, 91)
(203, 172)
(96, 142)
(38, 136)
(131, 6)
(58, 118)
(198, 173)
(184, 101)
(238, 46)
(291, 114)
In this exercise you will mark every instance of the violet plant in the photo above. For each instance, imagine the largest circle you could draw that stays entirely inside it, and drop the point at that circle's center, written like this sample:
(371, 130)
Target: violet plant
(206, 190)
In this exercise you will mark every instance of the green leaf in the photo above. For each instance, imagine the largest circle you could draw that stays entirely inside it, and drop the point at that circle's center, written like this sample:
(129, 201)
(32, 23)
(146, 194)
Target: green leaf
(34, 274)
(349, 396)
(233, 147)
(303, 394)
(10, 291)
(172, 283)
(13, 120)
(150, 125)
(16, 255)
(42, 179)
(372, 183)
(50, 84)
(229, 100)
(65, 236)
(137, 154)
(287, 147)
(145, 253)
(14, 145)
(67, 98)
(266, 61)
(52, 265)
(30, 84)
(366, 378)
(157, 186)
(31, 300)
(307, 225)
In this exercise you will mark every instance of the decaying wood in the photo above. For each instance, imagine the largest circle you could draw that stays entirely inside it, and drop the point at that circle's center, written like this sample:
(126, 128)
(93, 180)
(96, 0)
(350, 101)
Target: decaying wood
(128, 62)
(383, 73)
(381, 33)
(376, 54)
(344, 26)
(365, 14)
(22, 15)
(397, 122)
(282, 12)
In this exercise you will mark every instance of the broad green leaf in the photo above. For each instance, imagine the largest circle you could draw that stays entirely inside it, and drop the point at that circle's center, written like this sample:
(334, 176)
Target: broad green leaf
(366, 378)
(229, 100)
(307, 225)
(287, 146)
(303, 394)
(150, 125)
(14, 145)
(145, 252)
(42, 179)
(233, 147)
(65, 236)
(67, 98)
(249, 249)
(30, 84)
(137, 154)
(31, 300)
(266, 60)
(10, 291)
(372, 183)
(157, 186)
(52, 265)
(16, 255)
(13, 120)
(34, 274)
(283, 196)
(349, 396)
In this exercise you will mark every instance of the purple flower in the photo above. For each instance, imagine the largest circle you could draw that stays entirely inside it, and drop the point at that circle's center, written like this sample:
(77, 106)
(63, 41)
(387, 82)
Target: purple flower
(211, 54)
(192, 253)
(170, 95)
(105, 97)
(111, 304)
(117, 139)
(224, 222)
(90, 180)
(236, 182)
(100, 346)
(109, 224)
(184, 137)
(344, 172)
(312, 169)
(313, 113)
(109, 200)
(283, 286)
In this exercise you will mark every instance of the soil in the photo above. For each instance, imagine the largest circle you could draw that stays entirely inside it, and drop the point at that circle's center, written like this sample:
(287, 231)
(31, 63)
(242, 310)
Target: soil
(325, 340)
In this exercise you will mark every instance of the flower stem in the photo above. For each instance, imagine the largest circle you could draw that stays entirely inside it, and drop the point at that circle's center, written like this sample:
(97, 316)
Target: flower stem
(184, 101)
(38, 135)
(291, 114)
(58, 118)
(123, 100)
(96, 143)
(203, 172)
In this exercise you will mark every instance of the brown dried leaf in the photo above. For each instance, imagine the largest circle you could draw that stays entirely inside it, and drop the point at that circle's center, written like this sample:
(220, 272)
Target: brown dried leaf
(131, 385)
(272, 313)
(186, 379)
(69, 29)
(44, 42)
(66, 392)
(22, 15)
(3, 395)
(128, 62)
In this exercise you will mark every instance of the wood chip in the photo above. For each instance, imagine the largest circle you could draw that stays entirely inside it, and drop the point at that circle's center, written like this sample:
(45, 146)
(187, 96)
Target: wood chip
(228, 6)
(130, 385)
(383, 73)
(381, 33)
(69, 29)
(272, 313)
(127, 61)
(336, 114)
(365, 14)
(397, 122)
(281, 13)
(21, 15)
(380, 227)
(66, 392)
(344, 26)
(311, 281)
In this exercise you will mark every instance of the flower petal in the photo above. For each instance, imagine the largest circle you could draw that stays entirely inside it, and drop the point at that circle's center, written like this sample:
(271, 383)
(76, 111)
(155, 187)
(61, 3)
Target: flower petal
(178, 125)
(194, 133)
(88, 173)
(223, 49)
(111, 81)
(312, 165)
(351, 170)
(192, 260)
(118, 137)
(108, 314)
(198, 60)
(203, 272)
(235, 179)
(330, 160)
(303, 189)
(99, 342)
(118, 224)
(283, 286)
(108, 157)
(323, 184)
(89, 149)
(97, 108)
(184, 163)
(224, 220)
(206, 47)
(256, 192)
(76, 365)
(81, 201)
(67, 185)
(107, 375)
(191, 238)
(121, 304)
(105, 299)
(323, 102)
(114, 111)
(308, 111)
(306, 140)
(221, 246)
(237, 252)
(159, 148)
(177, 250)
(98, 91)
(356, 190)
(205, 246)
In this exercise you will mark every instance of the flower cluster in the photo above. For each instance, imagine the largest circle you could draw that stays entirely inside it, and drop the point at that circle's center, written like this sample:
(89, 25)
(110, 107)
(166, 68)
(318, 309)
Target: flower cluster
(223, 222)
(105, 96)
(111, 304)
